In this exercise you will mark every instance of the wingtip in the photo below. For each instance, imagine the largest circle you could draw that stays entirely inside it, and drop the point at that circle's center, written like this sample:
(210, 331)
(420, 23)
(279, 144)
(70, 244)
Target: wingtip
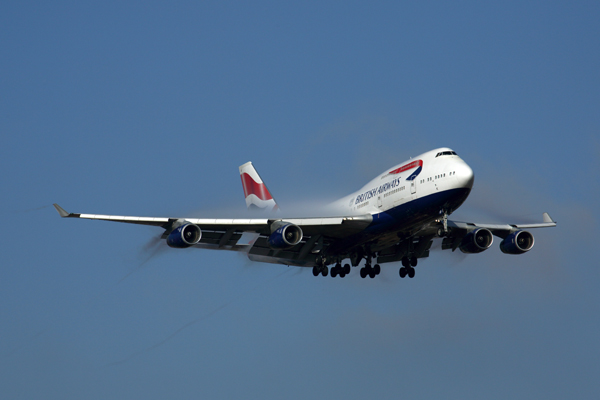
(61, 211)
(548, 219)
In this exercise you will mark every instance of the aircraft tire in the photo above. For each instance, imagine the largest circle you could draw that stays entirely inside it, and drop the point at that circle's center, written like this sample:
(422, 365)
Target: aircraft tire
(316, 271)
(347, 269)
(411, 273)
(405, 262)
(413, 261)
(402, 272)
(377, 269)
(363, 273)
(325, 271)
(333, 272)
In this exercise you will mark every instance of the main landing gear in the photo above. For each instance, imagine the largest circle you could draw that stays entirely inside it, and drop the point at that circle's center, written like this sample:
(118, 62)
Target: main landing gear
(320, 269)
(339, 270)
(372, 272)
(407, 268)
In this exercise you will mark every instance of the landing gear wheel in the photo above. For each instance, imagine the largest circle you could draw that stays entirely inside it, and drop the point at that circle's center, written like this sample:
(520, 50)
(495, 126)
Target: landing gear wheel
(405, 262)
(325, 270)
(347, 269)
(411, 273)
(377, 269)
(363, 273)
(402, 272)
(372, 273)
(413, 261)
(334, 272)
(316, 271)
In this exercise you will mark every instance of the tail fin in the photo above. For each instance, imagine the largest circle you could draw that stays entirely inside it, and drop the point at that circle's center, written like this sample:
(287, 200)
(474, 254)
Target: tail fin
(256, 192)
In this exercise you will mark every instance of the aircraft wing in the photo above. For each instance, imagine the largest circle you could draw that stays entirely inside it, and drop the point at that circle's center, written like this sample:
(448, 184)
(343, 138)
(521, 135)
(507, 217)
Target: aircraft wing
(419, 243)
(458, 231)
(502, 230)
(225, 233)
(318, 233)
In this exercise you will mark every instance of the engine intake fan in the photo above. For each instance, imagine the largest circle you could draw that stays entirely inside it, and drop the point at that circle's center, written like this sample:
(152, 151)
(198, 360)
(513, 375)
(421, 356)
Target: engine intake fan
(517, 242)
(285, 235)
(476, 241)
(184, 236)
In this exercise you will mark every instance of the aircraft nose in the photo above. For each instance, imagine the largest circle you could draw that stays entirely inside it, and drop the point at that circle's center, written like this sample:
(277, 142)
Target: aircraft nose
(465, 176)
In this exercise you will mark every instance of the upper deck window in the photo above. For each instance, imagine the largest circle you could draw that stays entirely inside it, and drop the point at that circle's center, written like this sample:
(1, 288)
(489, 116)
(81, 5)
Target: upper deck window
(446, 153)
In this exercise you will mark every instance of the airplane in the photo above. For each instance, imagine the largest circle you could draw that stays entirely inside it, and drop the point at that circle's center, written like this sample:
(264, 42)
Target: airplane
(393, 218)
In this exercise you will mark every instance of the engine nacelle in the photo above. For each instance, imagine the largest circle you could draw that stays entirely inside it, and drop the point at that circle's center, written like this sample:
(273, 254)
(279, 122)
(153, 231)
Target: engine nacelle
(184, 236)
(476, 241)
(285, 236)
(517, 242)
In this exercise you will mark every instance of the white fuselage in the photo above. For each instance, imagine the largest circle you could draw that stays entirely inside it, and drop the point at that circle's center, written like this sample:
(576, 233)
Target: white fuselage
(441, 170)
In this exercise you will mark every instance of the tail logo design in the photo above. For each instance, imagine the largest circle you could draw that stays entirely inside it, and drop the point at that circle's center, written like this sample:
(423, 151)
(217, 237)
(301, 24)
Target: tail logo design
(256, 192)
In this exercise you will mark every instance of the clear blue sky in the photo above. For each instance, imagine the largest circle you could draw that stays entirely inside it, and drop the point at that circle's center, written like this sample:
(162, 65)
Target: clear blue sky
(148, 108)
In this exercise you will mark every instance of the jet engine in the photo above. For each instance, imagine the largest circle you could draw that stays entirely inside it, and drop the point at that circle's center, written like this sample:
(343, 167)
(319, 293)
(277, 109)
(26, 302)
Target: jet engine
(476, 241)
(286, 235)
(184, 236)
(517, 242)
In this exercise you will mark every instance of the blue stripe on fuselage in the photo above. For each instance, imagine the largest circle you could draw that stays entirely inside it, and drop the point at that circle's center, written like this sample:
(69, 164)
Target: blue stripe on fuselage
(406, 217)
(418, 211)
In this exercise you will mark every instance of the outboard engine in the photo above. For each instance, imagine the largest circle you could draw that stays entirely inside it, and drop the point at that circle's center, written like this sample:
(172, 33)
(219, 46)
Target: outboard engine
(517, 242)
(184, 236)
(286, 235)
(476, 241)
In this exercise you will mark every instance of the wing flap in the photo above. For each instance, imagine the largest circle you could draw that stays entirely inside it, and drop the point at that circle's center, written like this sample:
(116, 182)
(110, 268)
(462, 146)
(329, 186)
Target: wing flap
(334, 227)
(418, 246)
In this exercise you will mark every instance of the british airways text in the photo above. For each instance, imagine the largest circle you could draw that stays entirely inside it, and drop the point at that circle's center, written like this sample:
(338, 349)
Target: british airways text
(381, 189)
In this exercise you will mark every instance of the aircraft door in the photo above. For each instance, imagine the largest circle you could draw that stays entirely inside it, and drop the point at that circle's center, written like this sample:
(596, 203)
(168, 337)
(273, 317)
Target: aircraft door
(413, 186)
(379, 202)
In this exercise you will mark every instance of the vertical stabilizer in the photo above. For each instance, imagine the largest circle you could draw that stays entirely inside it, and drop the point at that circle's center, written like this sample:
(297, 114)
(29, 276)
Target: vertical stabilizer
(256, 192)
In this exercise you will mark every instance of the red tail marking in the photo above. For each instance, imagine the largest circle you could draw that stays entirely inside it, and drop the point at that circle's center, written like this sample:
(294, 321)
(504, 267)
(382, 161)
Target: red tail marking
(257, 189)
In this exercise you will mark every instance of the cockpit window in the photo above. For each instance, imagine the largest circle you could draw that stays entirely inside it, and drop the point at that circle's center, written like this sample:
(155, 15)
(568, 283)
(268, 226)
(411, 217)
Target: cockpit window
(446, 153)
